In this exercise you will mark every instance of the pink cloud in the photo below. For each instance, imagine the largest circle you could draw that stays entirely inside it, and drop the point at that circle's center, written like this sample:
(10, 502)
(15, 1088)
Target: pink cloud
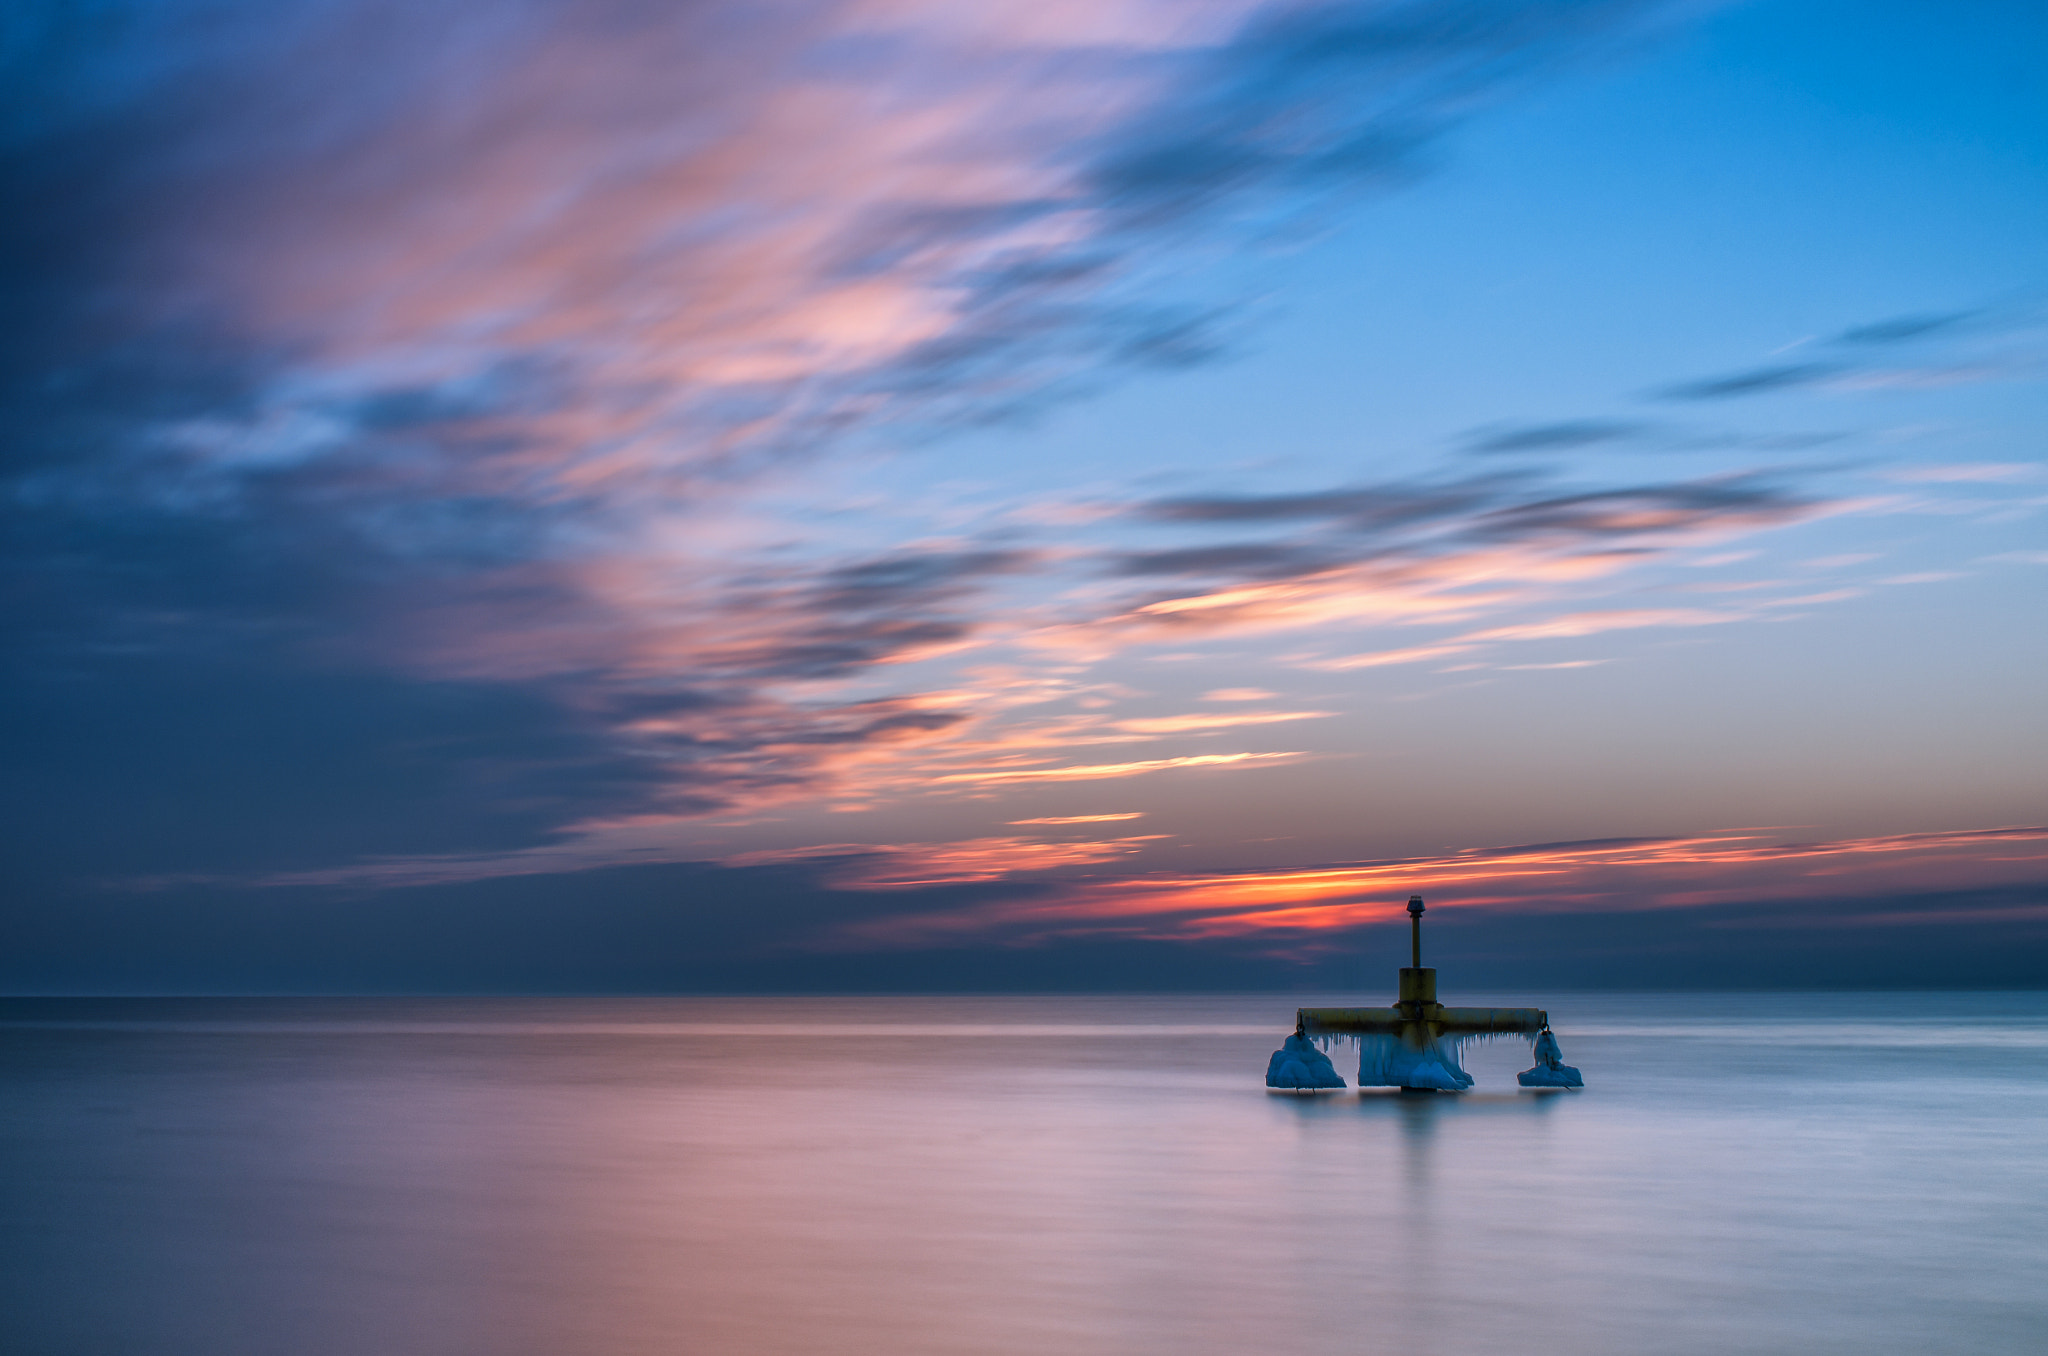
(612, 272)
(865, 866)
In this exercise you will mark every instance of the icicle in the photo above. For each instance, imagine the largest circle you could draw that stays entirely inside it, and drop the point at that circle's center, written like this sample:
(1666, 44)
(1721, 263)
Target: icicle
(1390, 1062)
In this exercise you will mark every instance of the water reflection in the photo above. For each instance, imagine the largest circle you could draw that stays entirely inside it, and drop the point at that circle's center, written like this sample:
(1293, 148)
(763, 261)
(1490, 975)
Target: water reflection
(997, 1176)
(1426, 1257)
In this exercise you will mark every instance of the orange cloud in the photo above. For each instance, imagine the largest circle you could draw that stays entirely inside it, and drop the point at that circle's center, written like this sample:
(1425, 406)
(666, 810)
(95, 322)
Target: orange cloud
(1101, 771)
(1612, 874)
(1082, 819)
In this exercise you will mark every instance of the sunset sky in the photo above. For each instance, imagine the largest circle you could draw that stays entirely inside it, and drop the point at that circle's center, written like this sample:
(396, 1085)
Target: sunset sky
(616, 495)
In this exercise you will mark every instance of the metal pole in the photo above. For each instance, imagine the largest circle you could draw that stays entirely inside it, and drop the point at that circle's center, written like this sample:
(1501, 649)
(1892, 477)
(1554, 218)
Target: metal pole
(1415, 927)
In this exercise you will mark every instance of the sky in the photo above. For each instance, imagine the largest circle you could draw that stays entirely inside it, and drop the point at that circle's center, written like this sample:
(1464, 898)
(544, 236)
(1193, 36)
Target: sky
(599, 495)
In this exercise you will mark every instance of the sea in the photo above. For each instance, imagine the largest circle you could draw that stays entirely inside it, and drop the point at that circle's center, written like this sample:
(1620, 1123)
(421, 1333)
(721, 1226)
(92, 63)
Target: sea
(1742, 1173)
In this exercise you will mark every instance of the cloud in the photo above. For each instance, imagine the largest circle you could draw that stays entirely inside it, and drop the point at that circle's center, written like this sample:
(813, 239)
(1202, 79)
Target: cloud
(1651, 509)
(1989, 343)
(1410, 555)
(429, 426)
(905, 866)
(1565, 626)
(1967, 473)
(1200, 722)
(1909, 328)
(720, 682)
(1414, 654)
(1617, 874)
(471, 346)
(1569, 435)
(1615, 435)
(1575, 624)
(583, 214)
(1362, 508)
(483, 374)
(1756, 381)
(1103, 771)
(2001, 341)
(1247, 559)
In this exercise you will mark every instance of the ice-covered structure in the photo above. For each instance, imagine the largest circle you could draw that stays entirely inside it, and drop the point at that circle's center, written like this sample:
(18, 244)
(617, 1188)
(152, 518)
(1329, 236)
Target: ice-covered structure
(1297, 1066)
(1550, 1070)
(1391, 1062)
(1415, 1043)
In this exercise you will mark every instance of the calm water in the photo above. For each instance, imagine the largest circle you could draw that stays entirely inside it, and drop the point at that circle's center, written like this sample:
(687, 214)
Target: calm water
(1753, 1174)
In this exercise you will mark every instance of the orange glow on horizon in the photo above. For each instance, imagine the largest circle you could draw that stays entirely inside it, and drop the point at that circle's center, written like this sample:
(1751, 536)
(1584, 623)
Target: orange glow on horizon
(1629, 874)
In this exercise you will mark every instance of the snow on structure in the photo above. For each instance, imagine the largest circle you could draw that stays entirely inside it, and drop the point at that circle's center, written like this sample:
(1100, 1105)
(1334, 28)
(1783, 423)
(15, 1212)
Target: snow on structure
(1297, 1066)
